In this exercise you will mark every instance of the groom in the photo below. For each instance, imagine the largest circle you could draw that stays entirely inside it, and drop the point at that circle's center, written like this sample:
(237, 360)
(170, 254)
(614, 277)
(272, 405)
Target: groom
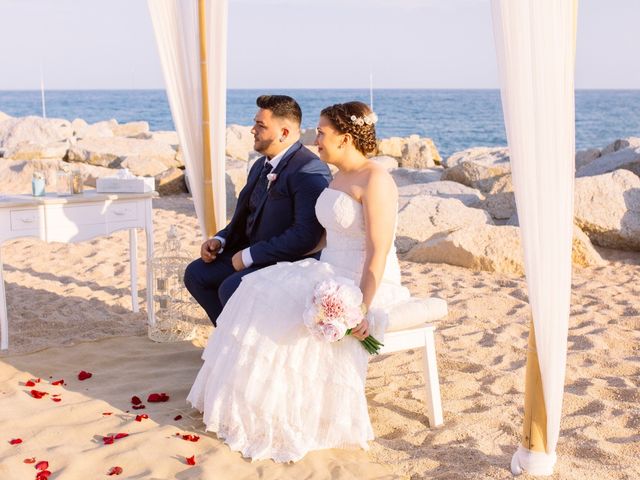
(275, 217)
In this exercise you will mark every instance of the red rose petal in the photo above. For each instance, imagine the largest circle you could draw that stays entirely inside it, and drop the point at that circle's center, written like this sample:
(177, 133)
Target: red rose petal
(139, 407)
(135, 400)
(30, 460)
(139, 418)
(15, 441)
(56, 399)
(58, 382)
(84, 375)
(191, 460)
(30, 383)
(43, 465)
(107, 413)
(38, 394)
(157, 397)
(177, 417)
(121, 435)
(115, 471)
(107, 440)
(43, 475)
(191, 438)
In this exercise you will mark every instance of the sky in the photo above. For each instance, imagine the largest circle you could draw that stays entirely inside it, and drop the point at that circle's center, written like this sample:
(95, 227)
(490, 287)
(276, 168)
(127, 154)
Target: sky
(109, 44)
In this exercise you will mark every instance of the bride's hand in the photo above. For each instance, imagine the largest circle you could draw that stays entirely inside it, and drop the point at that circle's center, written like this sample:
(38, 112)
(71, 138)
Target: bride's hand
(362, 330)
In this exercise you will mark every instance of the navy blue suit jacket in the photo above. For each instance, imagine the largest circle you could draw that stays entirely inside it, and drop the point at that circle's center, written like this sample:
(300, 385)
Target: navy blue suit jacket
(286, 227)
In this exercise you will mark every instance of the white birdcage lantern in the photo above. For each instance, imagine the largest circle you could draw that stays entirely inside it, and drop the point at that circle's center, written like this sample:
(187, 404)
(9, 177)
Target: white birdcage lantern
(178, 316)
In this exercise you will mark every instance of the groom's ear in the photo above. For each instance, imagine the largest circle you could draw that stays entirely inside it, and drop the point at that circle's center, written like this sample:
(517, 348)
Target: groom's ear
(284, 133)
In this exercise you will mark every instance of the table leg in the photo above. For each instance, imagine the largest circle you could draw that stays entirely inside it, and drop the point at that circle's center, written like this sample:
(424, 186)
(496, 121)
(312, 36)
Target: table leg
(133, 265)
(149, 235)
(4, 322)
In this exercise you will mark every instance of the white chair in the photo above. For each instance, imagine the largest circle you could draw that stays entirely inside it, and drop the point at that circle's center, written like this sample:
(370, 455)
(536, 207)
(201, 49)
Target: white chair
(409, 327)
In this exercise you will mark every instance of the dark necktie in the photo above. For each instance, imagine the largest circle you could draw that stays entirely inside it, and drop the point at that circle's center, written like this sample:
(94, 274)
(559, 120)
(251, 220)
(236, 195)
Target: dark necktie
(258, 192)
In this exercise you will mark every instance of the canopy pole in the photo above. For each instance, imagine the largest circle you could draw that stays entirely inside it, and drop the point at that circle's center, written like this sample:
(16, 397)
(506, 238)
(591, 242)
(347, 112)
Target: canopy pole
(209, 208)
(534, 431)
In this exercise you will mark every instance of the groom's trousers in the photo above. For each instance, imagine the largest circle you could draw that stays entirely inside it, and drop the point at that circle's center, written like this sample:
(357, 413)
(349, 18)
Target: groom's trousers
(212, 284)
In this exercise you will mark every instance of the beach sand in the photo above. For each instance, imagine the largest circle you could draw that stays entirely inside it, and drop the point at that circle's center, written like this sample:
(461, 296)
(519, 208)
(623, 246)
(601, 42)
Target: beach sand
(69, 310)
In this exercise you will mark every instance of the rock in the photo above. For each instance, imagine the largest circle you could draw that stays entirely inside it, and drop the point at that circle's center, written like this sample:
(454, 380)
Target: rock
(425, 215)
(620, 144)
(386, 161)
(15, 175)
(407, 176)
(394, 147)
(236, 171)
(239, 142)
(169, 137)
(391, 146)
(418, 153)
(4, 116)
(582, 252)
(307, 136)
(110, 152)
(171, 182)
(607, 208)
(501, 206)
(443, 189)
(143, 166)
(33, 131)
(99, 130)
(492, 157)
(474, 175)
(27, 151)
(79, 127)
(478, 247)
(585, 157)
(625, 158)
(131, 129)
(492, 248)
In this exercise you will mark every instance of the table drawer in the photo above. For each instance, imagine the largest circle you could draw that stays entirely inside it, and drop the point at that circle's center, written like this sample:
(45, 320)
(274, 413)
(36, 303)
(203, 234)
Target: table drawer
(71, 216)
(122, 212)
(25, 219)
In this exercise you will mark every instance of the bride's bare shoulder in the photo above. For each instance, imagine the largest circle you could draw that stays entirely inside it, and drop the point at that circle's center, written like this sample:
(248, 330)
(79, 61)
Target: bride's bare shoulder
(380, 181)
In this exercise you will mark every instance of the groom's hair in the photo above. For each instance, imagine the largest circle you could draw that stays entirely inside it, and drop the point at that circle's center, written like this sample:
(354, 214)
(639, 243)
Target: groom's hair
(281, 106)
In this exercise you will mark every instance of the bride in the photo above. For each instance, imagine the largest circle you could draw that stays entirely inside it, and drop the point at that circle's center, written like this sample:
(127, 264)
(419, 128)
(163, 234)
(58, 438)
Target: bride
(268, 388)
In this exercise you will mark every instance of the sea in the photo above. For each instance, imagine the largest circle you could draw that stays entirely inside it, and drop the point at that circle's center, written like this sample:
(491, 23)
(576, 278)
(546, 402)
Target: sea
(454, 119)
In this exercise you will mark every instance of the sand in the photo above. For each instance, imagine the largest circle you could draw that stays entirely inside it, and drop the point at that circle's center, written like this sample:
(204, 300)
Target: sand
(69, 310)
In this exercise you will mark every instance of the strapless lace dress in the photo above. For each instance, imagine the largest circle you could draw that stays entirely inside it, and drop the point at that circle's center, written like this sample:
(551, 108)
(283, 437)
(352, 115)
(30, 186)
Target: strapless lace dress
(267, 387)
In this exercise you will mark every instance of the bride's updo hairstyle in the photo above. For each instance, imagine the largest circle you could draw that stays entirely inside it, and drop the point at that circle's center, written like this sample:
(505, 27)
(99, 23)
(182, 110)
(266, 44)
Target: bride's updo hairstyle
(356, 119)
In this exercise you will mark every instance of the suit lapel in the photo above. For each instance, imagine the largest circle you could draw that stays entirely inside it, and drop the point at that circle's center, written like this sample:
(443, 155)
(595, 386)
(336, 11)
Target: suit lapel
(281, 166)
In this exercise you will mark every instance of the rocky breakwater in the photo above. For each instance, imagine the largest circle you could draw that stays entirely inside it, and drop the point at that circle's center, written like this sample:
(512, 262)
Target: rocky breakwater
(467, 216)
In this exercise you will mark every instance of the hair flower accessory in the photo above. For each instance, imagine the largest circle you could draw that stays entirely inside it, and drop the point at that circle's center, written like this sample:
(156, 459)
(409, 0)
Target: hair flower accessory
(369, 119)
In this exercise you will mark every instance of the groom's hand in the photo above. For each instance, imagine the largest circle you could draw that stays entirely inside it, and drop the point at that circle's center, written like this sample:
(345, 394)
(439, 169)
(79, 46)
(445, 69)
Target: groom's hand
(209, 250)
(236, 260)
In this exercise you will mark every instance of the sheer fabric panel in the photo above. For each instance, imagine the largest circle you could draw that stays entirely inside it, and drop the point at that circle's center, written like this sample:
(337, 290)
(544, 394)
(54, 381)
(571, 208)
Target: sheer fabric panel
(535, 46)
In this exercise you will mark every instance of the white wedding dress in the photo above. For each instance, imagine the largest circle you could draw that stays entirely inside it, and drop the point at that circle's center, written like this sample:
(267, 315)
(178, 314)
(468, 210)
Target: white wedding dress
(267, 387)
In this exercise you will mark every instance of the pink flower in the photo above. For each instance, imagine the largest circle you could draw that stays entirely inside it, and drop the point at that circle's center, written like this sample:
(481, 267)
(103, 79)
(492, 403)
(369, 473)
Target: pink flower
(333, 331)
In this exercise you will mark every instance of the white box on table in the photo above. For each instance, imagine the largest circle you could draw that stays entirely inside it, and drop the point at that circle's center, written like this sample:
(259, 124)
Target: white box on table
(125, 185)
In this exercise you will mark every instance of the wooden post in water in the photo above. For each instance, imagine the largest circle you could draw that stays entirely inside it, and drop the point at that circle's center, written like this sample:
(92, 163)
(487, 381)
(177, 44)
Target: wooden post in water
(534, 431)
(209, 208)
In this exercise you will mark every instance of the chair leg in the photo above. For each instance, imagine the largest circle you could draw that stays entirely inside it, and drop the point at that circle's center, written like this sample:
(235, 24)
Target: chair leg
(431, 380)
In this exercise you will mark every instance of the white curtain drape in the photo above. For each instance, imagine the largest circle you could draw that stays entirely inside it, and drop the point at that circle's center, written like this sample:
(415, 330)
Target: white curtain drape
(535, 46)
(175, 23)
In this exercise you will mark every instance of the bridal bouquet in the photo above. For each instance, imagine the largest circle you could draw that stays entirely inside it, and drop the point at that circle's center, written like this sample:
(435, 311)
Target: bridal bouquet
(335, 309)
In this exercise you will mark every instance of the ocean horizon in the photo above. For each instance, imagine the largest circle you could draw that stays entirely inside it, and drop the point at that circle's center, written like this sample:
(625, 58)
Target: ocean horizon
(455, 119)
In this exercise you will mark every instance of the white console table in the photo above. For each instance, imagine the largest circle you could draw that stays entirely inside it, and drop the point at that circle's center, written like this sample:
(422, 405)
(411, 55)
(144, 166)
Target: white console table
(74, 219)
